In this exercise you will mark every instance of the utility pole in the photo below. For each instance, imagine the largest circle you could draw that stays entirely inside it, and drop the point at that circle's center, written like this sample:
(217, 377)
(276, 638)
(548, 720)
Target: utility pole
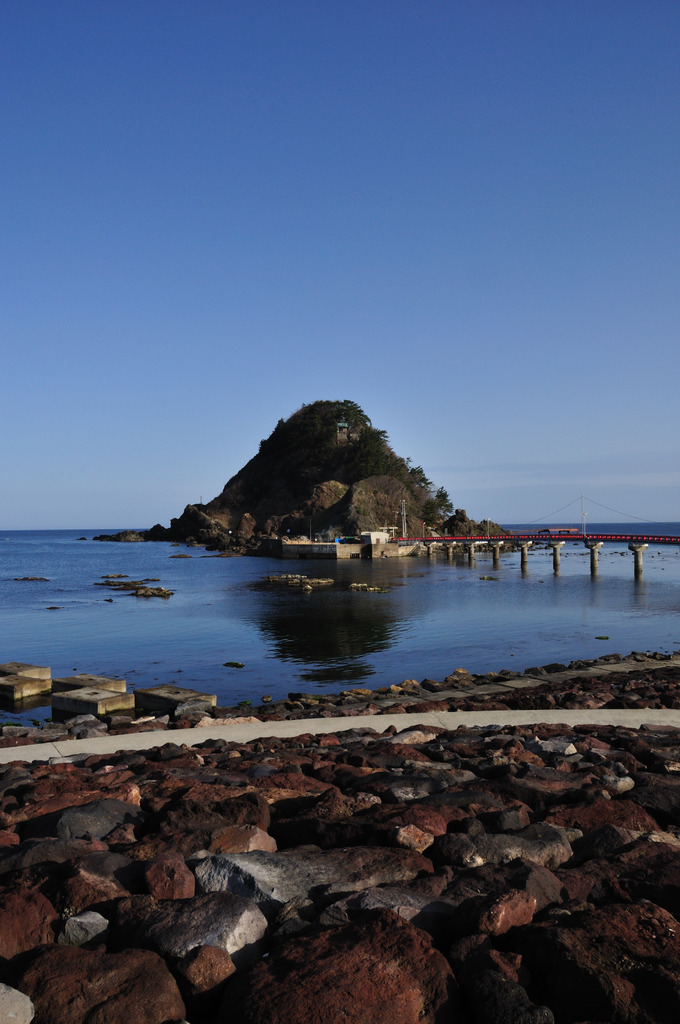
(403, 518)
(583, 519)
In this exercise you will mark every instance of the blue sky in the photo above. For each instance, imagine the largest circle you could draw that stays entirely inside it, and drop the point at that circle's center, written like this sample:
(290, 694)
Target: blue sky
(463, 216)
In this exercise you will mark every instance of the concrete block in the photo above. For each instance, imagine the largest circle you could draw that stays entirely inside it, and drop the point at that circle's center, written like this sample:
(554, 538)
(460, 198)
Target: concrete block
(167, 698)
(92, 701)
(18, 687)
(87, 680)
(19, 668)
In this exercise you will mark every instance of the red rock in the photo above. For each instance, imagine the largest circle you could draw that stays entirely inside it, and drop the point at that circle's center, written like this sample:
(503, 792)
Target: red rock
(77, 986)
(26, 920)
(540, 788)
(495, 879)
(201, 976)
(619, 964)
(375, 969)
(292, 781)
(495, 915)
(124, 835)
(411, 837)
(644, 870)
(14, 741)
(168, 877)
(96, 879)
(624, 813)
(404, 750)
(474, 953)
(426, 818)
(241, 839)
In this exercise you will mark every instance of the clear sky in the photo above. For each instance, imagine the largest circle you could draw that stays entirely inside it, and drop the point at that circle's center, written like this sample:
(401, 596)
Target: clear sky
(462, 215)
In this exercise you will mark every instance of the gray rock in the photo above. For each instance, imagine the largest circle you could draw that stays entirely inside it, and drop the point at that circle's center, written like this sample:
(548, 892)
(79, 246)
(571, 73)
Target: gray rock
(616, 783)
(560, 745)
(97, 819)
(601, 842)
(272, 879)
(396, 789)
(15, 1007)
(174, 927)
(541, 844)
(94, 820)
(42, 851)
(112, 872)
(83, 928)
(432, 915)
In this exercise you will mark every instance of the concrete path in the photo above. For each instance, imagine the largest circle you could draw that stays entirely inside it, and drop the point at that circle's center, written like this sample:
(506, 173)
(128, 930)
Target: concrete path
(245, 732)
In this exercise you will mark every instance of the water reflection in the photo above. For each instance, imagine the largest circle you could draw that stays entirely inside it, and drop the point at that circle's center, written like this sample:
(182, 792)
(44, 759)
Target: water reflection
(330, 632)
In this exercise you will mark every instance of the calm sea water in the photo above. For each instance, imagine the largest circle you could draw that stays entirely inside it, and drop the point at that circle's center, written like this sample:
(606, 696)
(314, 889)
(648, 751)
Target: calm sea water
(435, 615)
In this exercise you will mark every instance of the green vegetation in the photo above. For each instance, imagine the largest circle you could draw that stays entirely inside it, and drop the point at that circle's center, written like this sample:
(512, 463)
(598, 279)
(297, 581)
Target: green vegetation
(438, 507)
(336, 440)
(326, 468)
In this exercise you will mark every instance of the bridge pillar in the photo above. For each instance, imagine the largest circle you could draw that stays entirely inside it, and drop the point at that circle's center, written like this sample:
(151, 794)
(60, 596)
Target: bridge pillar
(594, 546)
(637, 550)
(556, 545)
(449, 552)
(523, 549)
(430, 550)
(470, 550)
(496, 549)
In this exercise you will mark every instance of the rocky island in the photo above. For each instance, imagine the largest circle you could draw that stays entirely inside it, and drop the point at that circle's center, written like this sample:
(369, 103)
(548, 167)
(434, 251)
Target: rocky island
(325, 470)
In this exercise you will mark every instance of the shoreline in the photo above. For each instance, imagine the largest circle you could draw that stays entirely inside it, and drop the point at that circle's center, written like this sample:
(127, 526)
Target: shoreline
(452, 864)
(596, 684)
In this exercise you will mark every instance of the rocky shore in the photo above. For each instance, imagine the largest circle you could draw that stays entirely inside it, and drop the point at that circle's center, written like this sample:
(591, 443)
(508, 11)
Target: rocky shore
(637, 680)
(498, 875)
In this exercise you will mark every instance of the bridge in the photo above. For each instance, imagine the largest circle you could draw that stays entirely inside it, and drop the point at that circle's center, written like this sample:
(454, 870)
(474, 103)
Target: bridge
(555, 538)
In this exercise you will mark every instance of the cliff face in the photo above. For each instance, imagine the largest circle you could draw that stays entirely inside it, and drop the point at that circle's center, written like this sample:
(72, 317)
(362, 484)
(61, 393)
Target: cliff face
(326, 469)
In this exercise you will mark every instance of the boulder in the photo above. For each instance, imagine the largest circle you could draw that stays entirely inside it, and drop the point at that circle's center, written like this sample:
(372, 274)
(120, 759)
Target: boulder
(541, 844)
(97, 878)
(84, 928)
(88, 821)
(619, 964)
(167, 877)
(272, 879)
(242, 839)
(174, 927)
(26, 920)
(15, 1007)
(202, 975)
(496, 1000)
(82, 986)
(372, 970)
(44, 851)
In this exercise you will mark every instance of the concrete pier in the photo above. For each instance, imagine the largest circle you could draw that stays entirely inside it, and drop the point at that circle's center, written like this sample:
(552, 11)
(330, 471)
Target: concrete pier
(449, 552)
(524, 549)
(470, 550)
(496, 550)
(556, 545)
(637, 550)
(594, 547)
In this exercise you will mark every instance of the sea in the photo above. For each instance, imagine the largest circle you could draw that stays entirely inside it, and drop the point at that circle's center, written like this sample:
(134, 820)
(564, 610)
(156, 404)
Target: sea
(228, 631)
